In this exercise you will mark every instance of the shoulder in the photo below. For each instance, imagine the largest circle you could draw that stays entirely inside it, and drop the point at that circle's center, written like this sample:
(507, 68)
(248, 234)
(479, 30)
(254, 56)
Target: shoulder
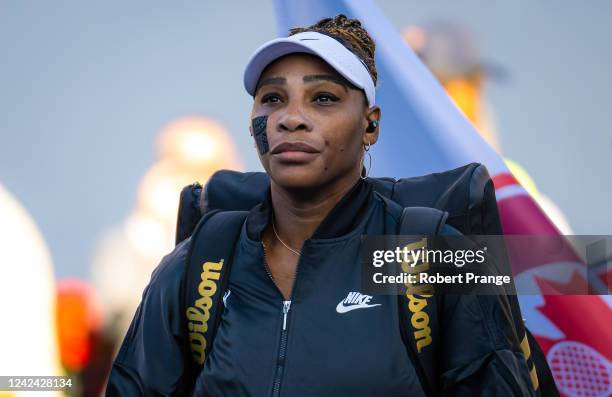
(156, 335)
(156, 317)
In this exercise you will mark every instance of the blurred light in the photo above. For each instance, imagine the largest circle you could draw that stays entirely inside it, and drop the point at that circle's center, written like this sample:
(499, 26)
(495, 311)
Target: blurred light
(148, 236)
(415, 37)
(158, 194)
(189, 150)
(28, 338)
(522, 177)
(120, 273)
(79, 316)
(197, 141)
(466, 96)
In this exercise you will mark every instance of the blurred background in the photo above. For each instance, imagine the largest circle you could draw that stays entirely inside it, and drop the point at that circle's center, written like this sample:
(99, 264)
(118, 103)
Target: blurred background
(108, 109)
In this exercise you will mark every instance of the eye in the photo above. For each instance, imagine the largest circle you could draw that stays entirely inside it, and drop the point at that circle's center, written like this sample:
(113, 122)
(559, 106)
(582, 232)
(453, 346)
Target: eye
(270, 98)
(325, 97)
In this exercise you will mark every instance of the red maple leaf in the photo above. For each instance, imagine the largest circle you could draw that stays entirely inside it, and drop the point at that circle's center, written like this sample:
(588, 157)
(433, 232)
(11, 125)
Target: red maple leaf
(581, 318)
(584, 321)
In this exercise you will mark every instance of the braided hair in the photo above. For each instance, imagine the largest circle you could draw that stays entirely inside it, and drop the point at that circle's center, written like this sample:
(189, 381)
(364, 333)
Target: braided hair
(349, 33)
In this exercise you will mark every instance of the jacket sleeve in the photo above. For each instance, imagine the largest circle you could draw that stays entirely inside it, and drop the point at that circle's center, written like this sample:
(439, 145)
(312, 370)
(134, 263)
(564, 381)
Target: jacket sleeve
(153, 355)
(481, 347)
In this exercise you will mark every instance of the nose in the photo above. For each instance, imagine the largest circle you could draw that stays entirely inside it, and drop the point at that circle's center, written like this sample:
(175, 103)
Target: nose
(293, 118)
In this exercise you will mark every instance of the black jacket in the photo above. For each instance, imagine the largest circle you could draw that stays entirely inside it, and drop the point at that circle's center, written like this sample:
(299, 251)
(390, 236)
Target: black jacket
(313, 346)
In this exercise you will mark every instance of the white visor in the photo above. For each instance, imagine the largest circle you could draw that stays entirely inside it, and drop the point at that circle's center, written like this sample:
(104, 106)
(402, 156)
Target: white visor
(329, 49)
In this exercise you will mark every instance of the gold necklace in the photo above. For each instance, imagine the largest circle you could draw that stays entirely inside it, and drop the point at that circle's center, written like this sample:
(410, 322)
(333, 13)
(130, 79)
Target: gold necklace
(282, 242)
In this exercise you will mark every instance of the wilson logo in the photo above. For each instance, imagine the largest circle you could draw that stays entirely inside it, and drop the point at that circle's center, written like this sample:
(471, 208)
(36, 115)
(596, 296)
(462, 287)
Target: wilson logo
(199, 314)
(417, 299)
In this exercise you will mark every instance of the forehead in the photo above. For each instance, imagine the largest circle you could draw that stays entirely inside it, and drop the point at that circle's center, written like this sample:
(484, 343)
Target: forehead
(300, 64)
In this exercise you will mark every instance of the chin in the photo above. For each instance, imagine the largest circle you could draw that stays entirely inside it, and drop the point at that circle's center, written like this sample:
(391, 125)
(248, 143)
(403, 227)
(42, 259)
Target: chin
(298, 177)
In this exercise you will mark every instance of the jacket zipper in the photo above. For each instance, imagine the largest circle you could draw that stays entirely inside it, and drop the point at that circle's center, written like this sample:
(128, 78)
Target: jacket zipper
(282, 349)
(282, 352)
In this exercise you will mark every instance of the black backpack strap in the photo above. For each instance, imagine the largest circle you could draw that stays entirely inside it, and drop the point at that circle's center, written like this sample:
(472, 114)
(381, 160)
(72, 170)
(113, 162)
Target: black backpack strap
(543, 375)
(418, 313)
(206, 277)
(422, 220)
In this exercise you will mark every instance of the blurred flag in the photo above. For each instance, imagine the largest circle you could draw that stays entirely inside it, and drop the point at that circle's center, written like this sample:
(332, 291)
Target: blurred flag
(424, 132)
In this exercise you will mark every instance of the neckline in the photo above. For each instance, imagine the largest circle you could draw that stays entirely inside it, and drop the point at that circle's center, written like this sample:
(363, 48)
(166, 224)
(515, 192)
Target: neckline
(344, 217)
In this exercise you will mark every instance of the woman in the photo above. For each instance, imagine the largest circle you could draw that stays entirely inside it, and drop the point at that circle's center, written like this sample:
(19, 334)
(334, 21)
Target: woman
(288, 327)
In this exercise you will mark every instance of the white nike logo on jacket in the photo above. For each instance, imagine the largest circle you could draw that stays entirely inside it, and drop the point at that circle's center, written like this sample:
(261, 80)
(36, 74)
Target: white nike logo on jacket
(355, 300)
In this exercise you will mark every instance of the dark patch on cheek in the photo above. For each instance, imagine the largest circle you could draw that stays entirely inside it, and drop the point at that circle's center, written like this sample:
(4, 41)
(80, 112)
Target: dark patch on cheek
(261, 137)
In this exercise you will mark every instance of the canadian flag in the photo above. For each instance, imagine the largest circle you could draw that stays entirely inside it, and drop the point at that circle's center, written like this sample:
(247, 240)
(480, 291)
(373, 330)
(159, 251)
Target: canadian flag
(422, 131)
(572, 330)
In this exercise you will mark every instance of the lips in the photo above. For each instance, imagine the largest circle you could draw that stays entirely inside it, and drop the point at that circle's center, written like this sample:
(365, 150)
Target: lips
(293, 147)
(294, 153)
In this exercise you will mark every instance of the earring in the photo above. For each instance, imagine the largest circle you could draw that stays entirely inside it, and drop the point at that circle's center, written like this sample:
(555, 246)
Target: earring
(366, 149)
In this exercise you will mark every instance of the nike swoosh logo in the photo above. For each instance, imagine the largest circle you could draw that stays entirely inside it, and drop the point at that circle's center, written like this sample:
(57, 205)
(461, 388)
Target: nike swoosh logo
(343, 309)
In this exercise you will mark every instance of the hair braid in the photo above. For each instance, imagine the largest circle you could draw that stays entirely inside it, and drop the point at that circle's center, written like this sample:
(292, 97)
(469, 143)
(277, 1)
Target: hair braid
(351, 34)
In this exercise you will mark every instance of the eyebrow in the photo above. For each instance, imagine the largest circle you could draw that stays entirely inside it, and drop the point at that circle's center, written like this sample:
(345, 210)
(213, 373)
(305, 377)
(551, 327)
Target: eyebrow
(326, 77)
(306, 79)
(271, 81)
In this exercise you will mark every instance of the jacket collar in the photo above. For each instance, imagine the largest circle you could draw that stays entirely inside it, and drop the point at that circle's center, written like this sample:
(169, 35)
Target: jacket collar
(342, 219)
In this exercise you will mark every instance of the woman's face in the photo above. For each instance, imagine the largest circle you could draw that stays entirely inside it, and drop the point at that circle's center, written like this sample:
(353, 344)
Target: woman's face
(316, 125)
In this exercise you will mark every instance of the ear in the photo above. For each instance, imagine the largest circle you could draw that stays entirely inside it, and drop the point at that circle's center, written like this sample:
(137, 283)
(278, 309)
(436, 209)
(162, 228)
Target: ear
(370, 136)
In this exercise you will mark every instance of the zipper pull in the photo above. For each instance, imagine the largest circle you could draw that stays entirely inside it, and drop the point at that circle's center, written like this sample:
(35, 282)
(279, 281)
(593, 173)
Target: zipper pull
(286, 307)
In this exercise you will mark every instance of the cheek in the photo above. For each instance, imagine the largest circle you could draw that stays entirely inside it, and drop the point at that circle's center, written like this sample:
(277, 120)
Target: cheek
(344, 140)
(342, 152)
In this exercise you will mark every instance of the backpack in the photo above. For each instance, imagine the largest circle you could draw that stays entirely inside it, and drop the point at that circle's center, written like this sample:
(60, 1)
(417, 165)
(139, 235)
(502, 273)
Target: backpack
(463, 198)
